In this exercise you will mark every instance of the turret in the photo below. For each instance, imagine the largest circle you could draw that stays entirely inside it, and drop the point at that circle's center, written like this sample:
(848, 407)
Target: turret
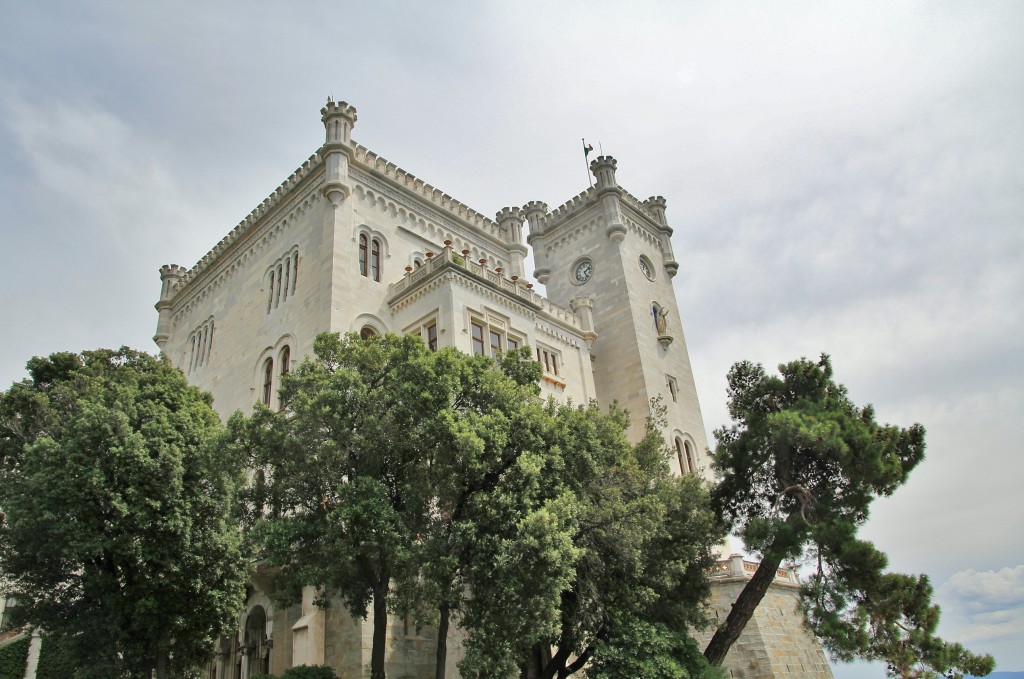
(338, 118)
(170, 274)
(510, 220)
(536, 214)
(656, 206)
(608, 191)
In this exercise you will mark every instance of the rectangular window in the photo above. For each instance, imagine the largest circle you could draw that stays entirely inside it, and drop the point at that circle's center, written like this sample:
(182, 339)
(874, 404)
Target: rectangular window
(549, 359)
(673, 387)
(432, 336)
(478, 339)
(495, 344)
(513, 343)
(375, 260)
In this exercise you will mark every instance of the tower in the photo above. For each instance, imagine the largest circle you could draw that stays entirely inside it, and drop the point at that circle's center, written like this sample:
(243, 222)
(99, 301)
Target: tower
(609, 257)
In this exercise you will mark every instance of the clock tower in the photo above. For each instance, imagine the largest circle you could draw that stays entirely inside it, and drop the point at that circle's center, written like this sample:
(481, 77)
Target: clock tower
(608, 256)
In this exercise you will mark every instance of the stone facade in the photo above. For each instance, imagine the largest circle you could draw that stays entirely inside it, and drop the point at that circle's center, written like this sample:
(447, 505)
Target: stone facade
(775, 643)
(350, 242)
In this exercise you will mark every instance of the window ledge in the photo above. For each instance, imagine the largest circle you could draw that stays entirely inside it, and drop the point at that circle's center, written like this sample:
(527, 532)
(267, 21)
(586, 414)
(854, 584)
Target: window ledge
(555, 380)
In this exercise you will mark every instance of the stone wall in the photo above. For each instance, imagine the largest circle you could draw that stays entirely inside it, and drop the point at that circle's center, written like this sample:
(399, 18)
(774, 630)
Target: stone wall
(775, 643)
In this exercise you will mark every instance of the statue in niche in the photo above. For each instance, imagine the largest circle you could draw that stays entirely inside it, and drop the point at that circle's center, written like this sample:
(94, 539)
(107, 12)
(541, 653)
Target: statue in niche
(660, 319)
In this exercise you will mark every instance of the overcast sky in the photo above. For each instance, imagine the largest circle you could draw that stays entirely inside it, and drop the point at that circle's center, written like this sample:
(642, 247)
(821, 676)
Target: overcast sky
(841, 177)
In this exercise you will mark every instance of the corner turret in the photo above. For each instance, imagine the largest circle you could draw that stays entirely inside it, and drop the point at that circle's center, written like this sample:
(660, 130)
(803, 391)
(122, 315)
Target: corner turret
(656, 206)
(536, 215)
(170, 274)
(510, 221)
(609, 194)
(338, 118)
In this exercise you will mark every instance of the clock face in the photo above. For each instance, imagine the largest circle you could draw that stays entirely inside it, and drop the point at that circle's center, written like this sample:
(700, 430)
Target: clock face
(583, 271)
(645, 267)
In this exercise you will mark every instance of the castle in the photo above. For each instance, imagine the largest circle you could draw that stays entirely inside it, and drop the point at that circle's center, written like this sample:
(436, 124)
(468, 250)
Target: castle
(350, 242)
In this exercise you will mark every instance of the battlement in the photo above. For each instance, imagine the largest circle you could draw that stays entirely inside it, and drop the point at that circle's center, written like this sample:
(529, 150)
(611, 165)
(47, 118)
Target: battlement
(572, 206)
(515, 288)
(172, 271)
(338, 108)
(602, 162)
(435, 196)
(243, 227)
(508, 213)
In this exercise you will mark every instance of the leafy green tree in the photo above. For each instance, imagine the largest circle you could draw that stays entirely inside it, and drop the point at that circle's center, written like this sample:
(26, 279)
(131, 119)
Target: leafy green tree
(391, 470)
(644, 539)
(498, 551)
(799, 469)
(118, 512)
(650, 651)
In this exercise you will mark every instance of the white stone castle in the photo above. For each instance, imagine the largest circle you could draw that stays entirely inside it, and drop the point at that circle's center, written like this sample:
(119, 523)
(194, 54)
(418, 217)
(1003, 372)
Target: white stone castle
(350, 242)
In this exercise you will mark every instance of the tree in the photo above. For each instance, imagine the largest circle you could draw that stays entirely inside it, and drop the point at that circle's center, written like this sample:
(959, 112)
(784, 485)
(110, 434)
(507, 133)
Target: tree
(799, 468)
(118, 512)
(392, 469)
(499, 551)
(645, 542)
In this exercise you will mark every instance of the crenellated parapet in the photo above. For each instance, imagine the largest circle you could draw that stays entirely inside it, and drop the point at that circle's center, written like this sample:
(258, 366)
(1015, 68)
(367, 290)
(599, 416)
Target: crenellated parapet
(245, 226)
(409, 182)
(570, 207)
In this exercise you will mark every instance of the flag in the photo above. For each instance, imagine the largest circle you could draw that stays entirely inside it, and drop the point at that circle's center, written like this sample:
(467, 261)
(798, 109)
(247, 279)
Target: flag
(587, 148)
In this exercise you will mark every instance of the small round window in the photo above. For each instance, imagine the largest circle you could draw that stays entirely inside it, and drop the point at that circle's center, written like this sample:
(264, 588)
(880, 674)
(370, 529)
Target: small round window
(646, 267)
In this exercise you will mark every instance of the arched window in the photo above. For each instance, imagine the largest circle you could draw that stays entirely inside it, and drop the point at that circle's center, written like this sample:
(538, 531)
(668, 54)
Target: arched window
(280, 275)
(364, 254)
(270, 297)
(268, 380)
(375, 260)
(689, 457)
(287, 277)
(367, 332)
(295, 270)
(683, 466)
(286, 355)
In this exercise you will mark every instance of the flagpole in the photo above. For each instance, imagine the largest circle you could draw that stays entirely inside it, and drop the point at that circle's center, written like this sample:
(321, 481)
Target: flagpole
(586, 166)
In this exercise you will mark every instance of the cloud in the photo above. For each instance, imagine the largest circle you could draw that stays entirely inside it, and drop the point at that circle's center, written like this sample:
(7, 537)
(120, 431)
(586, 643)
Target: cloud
(985, 605)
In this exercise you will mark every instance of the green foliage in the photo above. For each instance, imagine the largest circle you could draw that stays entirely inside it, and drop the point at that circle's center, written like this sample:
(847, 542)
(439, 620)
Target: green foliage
(643, 650)
(117, 511)
(394, 472)
(644, 538)
(13, 658)
(55, 661)
(800, 468)
(309, 672)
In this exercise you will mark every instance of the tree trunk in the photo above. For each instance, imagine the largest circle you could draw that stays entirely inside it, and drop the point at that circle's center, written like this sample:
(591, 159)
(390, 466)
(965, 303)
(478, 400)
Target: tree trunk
(442, 641)
(380, 630)
(727, 634)
(161, 664)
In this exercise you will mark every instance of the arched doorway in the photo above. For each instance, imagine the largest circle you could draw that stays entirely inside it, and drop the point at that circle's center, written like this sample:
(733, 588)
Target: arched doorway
(256, 649)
